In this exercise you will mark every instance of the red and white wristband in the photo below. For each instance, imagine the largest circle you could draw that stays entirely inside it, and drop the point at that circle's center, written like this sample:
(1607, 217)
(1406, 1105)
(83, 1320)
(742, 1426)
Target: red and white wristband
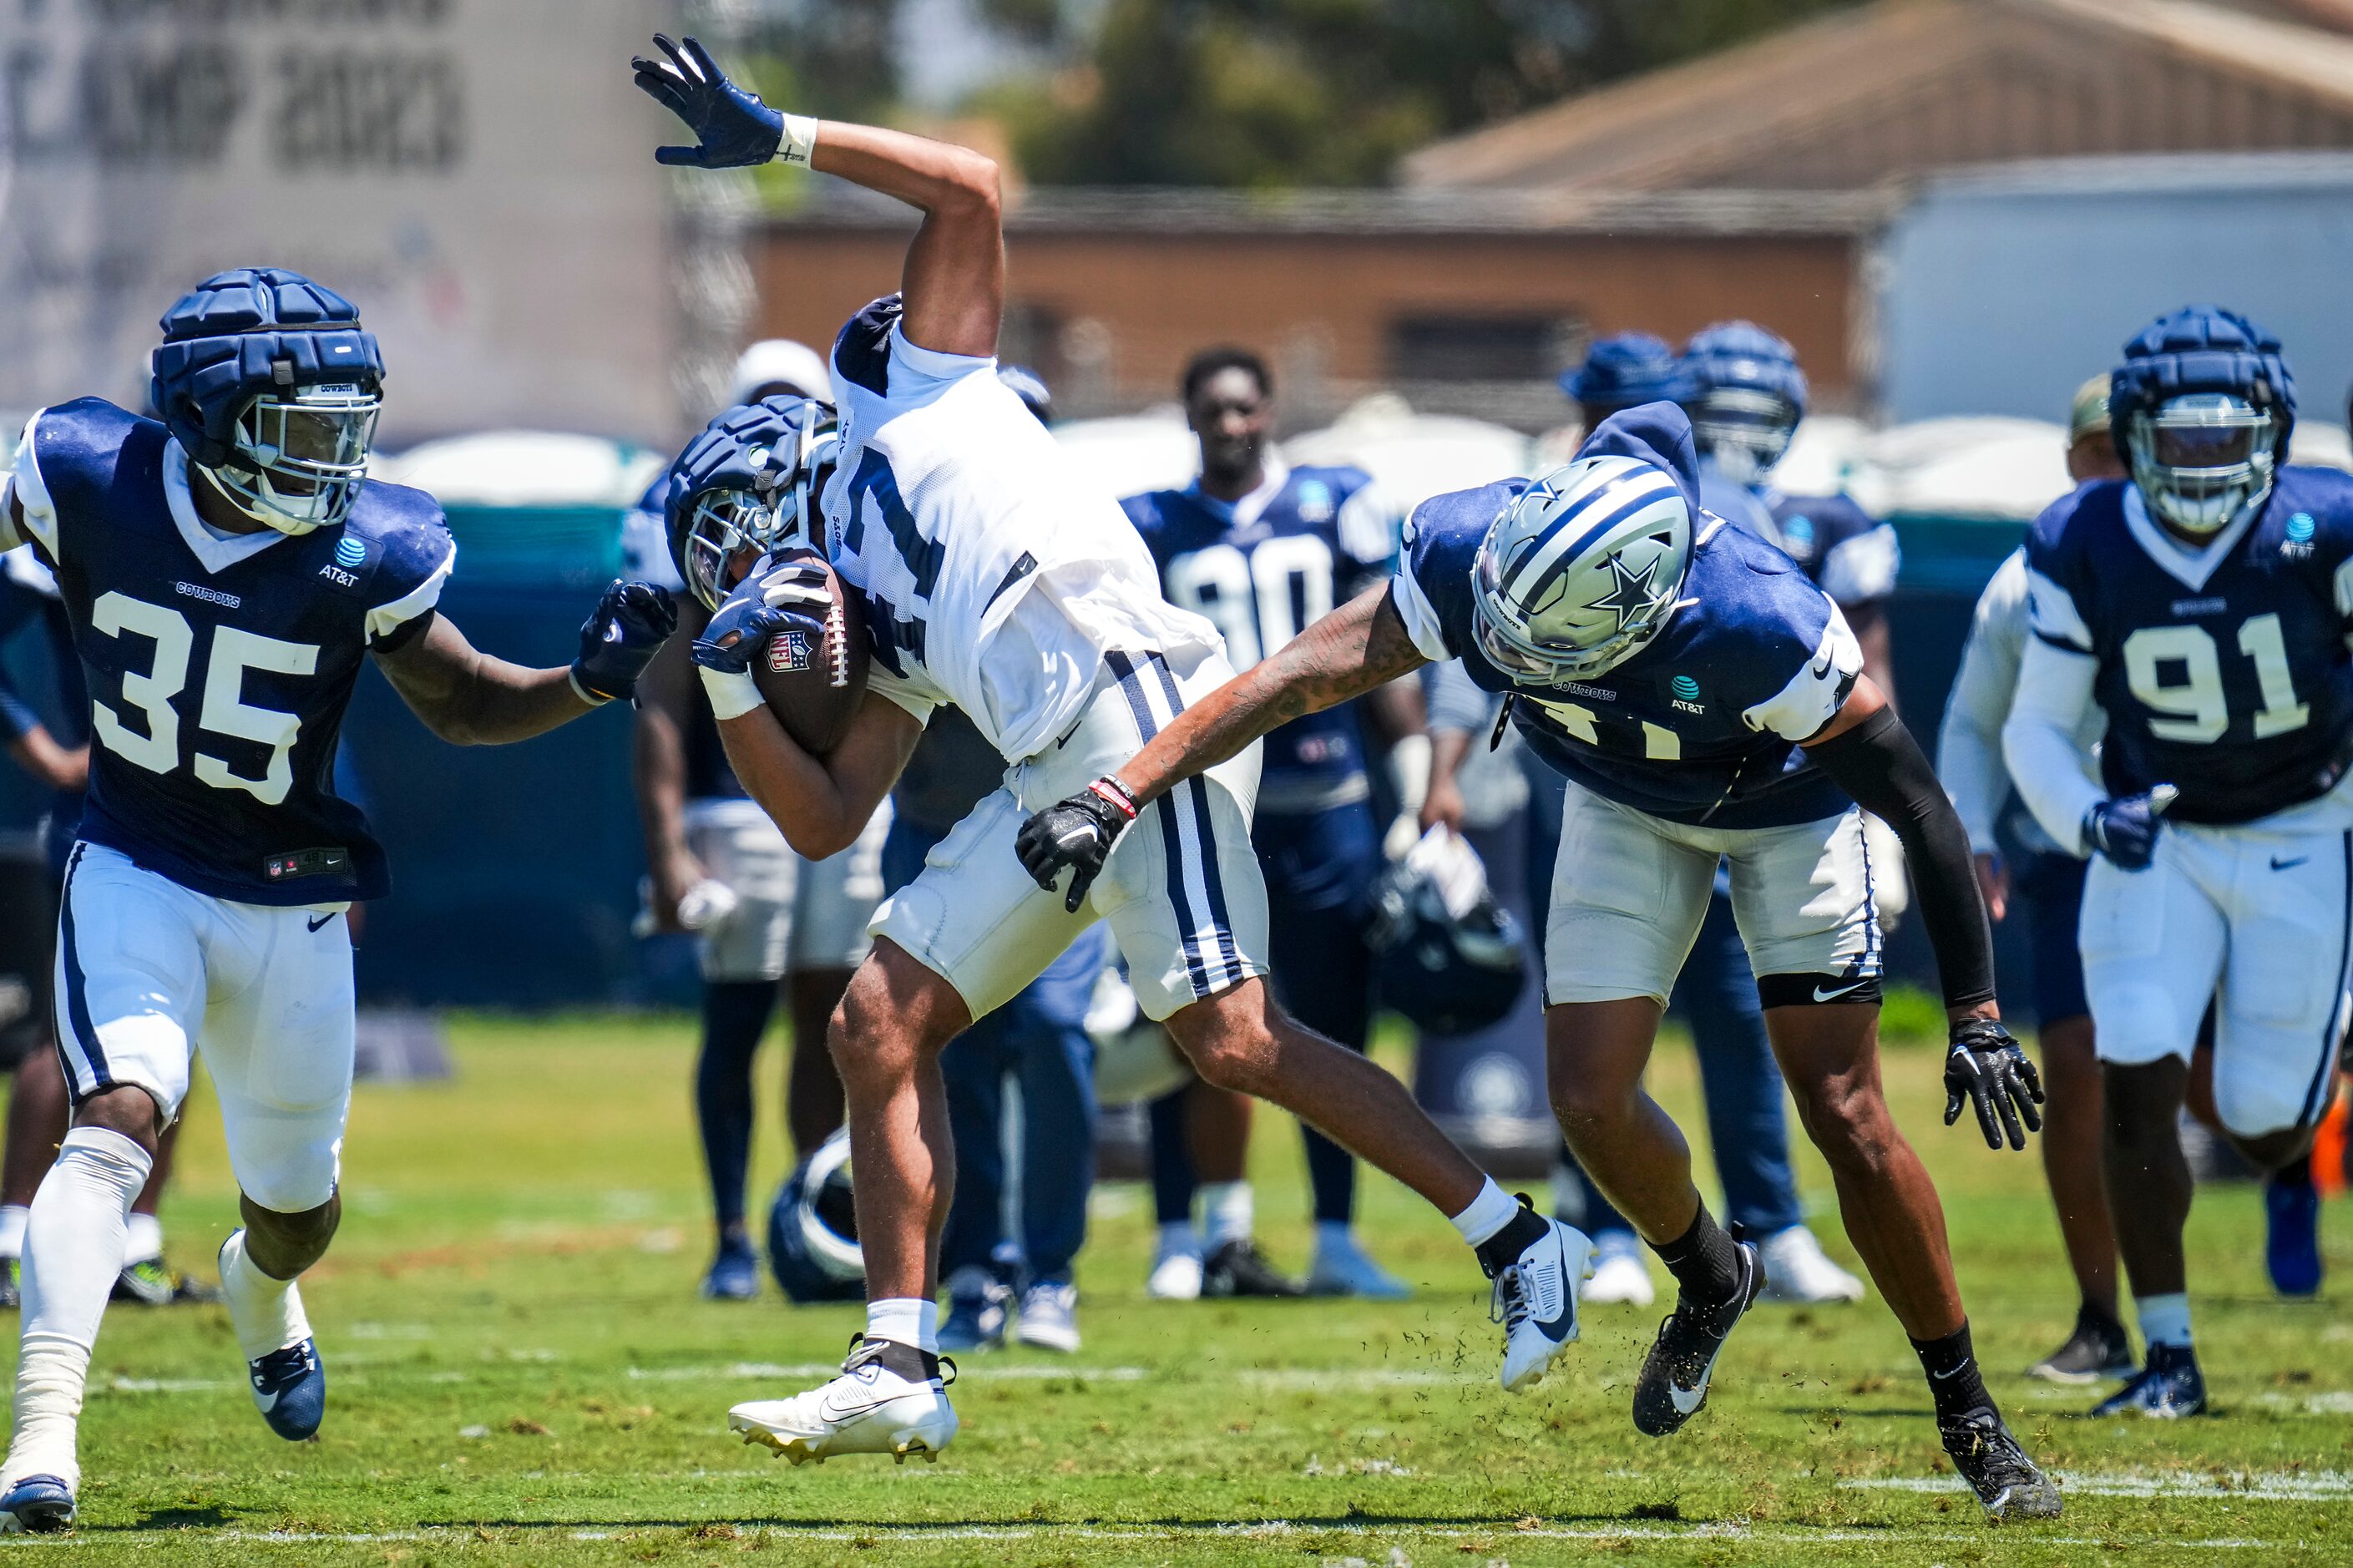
(1110, 789)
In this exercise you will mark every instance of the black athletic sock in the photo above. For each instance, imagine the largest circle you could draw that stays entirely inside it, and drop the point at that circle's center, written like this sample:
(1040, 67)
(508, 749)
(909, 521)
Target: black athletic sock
(1332, 1177)
(1705, 1260)
(1503, 1249)
(1172, 1180)
(2296, 1173)
(734, 1016)
(1953, 1379)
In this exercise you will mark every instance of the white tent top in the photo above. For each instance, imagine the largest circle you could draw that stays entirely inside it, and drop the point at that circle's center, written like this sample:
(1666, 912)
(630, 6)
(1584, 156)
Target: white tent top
(1415, 455)
(1132, 453)
(523, 468)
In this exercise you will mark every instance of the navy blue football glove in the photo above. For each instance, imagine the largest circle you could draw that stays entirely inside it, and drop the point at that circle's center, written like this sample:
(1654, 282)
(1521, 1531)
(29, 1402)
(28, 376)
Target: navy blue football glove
(774, 596)
(1984, 1067)
(620, 638)
(734, 128)
(2124, 830)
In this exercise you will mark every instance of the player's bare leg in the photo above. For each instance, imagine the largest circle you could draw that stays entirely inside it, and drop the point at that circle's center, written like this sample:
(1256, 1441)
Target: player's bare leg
(2075, 1118)
(814, 1107)
(2144, 1158)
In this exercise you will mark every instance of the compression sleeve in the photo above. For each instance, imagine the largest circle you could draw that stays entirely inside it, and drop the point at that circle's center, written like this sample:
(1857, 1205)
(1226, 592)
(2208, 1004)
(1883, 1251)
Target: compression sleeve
(2054, 687)
(1880, 765)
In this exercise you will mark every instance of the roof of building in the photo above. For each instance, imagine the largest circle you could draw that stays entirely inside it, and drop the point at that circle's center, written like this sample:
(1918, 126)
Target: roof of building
(1894, 88)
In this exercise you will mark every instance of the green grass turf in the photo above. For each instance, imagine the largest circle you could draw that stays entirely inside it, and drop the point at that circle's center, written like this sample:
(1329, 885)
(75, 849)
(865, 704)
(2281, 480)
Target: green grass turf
(521, 1373)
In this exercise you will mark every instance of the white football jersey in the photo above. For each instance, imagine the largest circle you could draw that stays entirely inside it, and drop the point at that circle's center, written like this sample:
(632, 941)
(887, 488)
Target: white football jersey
(994, 576)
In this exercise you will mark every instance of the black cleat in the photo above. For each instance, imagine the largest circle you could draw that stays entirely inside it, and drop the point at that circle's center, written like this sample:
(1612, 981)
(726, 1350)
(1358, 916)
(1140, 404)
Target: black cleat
(1239, 1268)
(2097, 1350)
(2169, 1387)
(1674, 1384)
(2006, 1481)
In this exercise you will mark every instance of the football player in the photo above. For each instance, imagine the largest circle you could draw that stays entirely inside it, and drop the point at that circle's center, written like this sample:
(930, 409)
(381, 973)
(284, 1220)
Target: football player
(765, 919)
(2202, 606)
(2048, 884)
(1706, 700)
(229, 569)
(1715, 993)
(1263, 549)
(38, 1107)
(993, 578)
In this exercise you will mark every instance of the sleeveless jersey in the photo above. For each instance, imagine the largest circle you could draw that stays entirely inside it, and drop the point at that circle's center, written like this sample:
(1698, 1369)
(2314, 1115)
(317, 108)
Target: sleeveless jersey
(219, 668)
(952, 509)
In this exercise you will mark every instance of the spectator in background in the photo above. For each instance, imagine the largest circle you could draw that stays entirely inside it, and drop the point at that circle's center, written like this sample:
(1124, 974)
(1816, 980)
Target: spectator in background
(2048, 881)
(1263, 549)
(1716, 992)
(37, 1104)
(716, 865)
(1039, 1041)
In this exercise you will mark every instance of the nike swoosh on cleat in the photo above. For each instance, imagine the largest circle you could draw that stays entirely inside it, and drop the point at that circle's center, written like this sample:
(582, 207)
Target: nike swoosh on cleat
(1685, 1400)
(268, 1402)
(1822, 996)
(833, 1412)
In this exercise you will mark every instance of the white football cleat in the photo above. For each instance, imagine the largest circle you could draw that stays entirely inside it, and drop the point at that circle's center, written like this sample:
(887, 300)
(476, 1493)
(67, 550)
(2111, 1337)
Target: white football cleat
(891, 1398)
(1536, 1300)
(1620, 1277)
(1797, 1270)
(1176, 1277)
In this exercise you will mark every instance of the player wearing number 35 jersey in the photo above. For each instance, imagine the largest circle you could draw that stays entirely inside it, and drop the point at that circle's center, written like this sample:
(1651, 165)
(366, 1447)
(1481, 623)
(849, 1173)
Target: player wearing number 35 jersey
(227, 571)
(2204, 606)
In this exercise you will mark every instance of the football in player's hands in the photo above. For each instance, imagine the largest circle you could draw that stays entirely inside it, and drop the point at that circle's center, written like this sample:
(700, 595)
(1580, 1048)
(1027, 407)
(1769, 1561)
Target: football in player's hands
(810, 657)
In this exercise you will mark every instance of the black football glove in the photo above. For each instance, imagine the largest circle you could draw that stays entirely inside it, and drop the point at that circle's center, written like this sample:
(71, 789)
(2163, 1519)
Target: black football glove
(733, 128)
(620, 638)
(1986, 1067)
(2125, 829)
(1076, 833)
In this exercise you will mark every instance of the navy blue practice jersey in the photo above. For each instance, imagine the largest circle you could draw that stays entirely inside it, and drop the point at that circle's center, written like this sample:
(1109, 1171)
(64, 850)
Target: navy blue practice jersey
(2222, 670)
(1264, 568)
(219, 666)
(1852, 555)
(28, 601)
(1699, 726)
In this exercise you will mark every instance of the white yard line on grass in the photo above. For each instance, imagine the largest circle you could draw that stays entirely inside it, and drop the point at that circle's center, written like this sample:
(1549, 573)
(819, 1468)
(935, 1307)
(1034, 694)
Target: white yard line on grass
(2252, 1485)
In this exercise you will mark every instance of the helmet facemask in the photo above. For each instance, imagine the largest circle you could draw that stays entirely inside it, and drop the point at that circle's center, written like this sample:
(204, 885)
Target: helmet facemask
(298, 458)
(729, 531)
(1746, 430)
(2202, 459)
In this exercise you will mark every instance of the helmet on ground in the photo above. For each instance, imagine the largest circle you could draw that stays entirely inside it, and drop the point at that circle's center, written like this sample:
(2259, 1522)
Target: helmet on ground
(745, 486)
(1134, 1058)
(1745, 394)
(1030, 387)
(1448, 956)
(1621, 371)
(813, 1229)
(269, 385)
(2201, 410)
(1582, 570)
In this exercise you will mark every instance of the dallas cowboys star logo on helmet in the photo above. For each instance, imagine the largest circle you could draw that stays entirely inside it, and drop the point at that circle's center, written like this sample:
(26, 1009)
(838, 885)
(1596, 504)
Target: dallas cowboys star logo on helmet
(1631, 598)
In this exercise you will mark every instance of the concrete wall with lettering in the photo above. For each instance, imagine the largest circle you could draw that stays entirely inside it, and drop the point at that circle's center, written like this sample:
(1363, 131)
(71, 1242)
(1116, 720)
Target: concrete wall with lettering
(476, 174)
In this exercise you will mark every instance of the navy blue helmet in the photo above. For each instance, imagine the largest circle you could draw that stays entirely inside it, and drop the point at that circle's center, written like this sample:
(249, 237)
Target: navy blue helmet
(2201, 411)
(746, 484)
(1448, 976)
(1745, 394)
(1621, 371)
(1030, 387)
(269, 383)
(813, 1229)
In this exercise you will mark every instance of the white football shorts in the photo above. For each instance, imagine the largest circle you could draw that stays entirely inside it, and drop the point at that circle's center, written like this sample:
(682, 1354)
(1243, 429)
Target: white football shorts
(793, 915)
(2260, 922)
(1629, 891)
(1182, 890)
(149, 973)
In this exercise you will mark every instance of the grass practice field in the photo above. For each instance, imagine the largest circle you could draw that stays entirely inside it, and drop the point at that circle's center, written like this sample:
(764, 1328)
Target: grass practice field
(520, 1373)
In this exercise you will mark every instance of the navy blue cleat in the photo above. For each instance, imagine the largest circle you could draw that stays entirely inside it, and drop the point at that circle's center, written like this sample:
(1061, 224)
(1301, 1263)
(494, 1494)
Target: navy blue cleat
(289, 1389)
(36, 1505)
(2168, 1387)
(2292, 1241)
(734, 1274)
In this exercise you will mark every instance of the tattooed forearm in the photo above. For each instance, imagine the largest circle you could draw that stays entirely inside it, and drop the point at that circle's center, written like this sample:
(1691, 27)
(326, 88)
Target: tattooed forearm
(1349, 652)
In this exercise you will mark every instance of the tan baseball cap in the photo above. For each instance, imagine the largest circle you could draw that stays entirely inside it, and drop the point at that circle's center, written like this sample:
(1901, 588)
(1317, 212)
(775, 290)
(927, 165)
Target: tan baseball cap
(2089, 414)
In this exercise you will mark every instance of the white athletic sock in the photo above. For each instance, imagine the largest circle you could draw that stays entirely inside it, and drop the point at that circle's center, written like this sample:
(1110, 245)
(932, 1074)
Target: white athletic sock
(1179, 1240)
(73, 1250)
(1229, 1210)
(266, 1313)
(909, 1320)
(142, 1239)
(2164, 1320)
(1490, 1212)
(12, 1230)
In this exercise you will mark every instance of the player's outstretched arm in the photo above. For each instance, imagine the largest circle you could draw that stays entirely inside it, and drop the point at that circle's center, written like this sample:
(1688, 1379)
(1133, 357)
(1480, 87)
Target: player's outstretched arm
(1357, 647)
(954, 281)
(470, 699)
(1868, 753)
